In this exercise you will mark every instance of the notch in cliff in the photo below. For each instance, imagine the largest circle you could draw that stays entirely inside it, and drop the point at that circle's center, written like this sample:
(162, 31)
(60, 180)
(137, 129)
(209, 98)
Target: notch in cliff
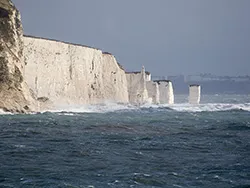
(4, 13)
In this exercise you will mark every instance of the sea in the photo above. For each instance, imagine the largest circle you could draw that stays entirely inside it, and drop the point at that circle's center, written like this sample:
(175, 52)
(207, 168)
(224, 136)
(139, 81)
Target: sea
(114, 145)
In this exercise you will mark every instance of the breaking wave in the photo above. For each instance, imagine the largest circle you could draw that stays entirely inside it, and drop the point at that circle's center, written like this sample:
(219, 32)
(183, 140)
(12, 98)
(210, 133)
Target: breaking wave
(96, 108)
(109, 107)
(4, 113)
(210, 107)
(184, 107)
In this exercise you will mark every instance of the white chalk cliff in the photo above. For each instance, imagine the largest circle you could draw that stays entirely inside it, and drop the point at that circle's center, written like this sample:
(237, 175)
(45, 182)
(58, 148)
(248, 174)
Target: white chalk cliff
(68, 74)
(39, 74)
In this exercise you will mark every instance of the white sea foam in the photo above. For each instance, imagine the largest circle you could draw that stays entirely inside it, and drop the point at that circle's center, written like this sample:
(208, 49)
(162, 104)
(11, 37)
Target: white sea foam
(184, 107)
(4, 113)
(210, 107)
(113, 107)
(97, 108)
(210, 103)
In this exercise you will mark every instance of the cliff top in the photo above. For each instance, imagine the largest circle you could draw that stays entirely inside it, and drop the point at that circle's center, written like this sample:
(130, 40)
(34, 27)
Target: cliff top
(106, 53)
(30, 36)
(158, 81)
(194, 85)
(138, 72)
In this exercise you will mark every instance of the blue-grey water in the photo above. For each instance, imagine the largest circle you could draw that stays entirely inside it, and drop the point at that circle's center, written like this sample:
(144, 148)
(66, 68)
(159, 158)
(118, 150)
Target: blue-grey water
(168, 146)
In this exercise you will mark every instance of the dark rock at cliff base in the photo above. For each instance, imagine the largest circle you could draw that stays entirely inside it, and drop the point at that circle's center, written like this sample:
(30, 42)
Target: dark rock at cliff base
(13, 93)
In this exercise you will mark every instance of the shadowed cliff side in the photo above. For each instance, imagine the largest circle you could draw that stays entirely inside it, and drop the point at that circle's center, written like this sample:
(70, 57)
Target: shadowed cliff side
(13, 92)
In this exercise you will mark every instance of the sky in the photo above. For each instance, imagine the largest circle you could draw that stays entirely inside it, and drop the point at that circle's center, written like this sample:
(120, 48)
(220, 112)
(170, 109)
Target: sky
(168, 37)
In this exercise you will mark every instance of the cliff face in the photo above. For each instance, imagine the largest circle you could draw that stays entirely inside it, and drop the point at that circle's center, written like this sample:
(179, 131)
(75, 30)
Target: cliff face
(13, 93)
(114, 80)
(68, 74)
(153, 91)
(137, 88)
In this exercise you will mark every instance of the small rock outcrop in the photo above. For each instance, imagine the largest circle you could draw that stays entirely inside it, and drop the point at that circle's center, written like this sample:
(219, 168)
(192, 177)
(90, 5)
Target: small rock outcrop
(13, 92)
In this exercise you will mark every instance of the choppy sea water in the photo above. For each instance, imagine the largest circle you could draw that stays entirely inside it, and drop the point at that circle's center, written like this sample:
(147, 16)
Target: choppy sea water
(181, 145)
